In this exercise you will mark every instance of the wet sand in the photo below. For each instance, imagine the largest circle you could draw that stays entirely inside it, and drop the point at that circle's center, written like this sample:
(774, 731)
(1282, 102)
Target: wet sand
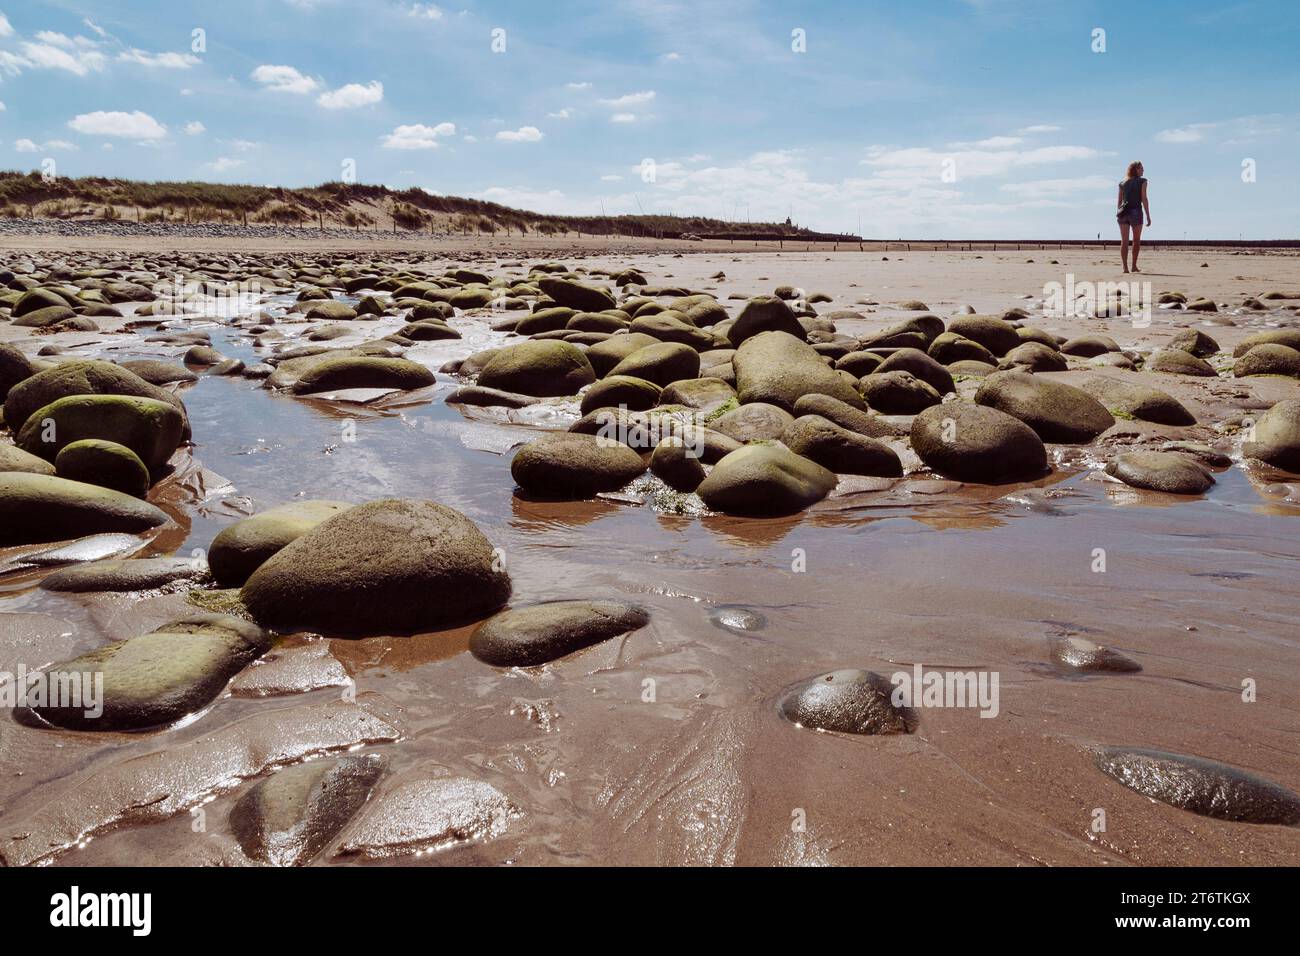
(666, 746)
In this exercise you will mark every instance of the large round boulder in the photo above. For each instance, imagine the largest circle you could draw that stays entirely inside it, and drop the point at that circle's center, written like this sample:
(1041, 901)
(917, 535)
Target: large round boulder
(898, 393)
(662, 363)
(1140, 402)
(996, 335)
(241, 548)
(765, 480)
(1167, 471)
(364, 372)
(541, 368)
(157, 678)
(81, 377)
(1277, 437)
(393, 566)
(575, 465)
(540, 633)
(150, 428)
(842, 451)
(974, 443)
(778, 368)
(39, 508)
(1056, 411)
(620, 391)
(764, 313)
(104, 463)
(574, 295)
(1268, 359)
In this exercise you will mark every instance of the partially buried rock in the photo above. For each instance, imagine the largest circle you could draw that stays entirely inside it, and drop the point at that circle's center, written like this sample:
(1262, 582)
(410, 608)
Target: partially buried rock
(1165, 471)
(1200, 786)
(765, 480)
(1140, 402)
(847, 702)
(489, 397)
(974, 443)
(528, 636)
(156, 678)
(394, 566)
(1056, 411)
(1277, 437)
(240, 549)
(1268, 359)
(104, 463)
(363, 372)
(289, 817)
(15, 459)
(842, 451)
(845, 415)
(430, 814)
(1177, 362)
(575, 465)
(1081, 654)
(39, 508)
(134, 574)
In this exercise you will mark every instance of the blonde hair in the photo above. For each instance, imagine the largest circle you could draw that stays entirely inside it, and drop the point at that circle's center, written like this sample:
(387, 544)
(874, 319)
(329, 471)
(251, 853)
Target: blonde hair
(1132, 169)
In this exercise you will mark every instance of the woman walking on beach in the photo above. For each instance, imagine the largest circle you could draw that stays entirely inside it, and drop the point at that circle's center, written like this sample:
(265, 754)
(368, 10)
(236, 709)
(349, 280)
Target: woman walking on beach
(1132, 201)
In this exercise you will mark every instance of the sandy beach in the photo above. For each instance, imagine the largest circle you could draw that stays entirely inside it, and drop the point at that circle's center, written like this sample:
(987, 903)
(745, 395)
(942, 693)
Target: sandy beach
(666, 744)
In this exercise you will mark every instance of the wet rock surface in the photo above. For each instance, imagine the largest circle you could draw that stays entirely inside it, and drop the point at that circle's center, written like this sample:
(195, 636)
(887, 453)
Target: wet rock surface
(528, 636)
(846, 702)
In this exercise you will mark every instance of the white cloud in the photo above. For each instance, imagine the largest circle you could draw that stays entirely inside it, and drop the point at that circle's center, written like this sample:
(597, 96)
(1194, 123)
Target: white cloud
(551, 201)
(166, 61)
(27, 146)
(577, 86)
(470, 138)
(671, 57)
(283, 79)
(1039, 128)
(243, 145)
(352, 95)
(565, 113)
(224, 163)
(96, 27)
(48, 56)
(993, 142)
(611, 178)
(425, 11)
(2, 106)
(630, 99)
(1047, 188)
(1186, 134)
(524, 134)
(919, 165)
(623, 118)
(418, 136)
(194, 127)
(136, 125)
(5, 29)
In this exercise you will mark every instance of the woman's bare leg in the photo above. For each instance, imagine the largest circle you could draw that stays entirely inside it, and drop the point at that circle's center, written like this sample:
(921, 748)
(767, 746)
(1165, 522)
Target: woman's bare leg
(1123, 245)
(1137, 244)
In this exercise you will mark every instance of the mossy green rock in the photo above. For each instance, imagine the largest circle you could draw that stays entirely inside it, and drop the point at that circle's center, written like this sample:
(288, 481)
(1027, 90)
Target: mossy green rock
(604, 356)
(104, 463)
(1034, 357)
(678, 460)
(583, 298)
(14, 367)
(996, 335)
(1277, 437)
(1166, 471)
(286, 819)
(574, 465)
(15, 459)
(36, 299)
(974, 443)
(898, 393)
(39, 508)
(363, 372)
(157, 372)
(540, 633)
(539, 368)
(662, 363)
(763, 313)
(150, 428)
(765, 480)
(1056, 411)
(43, 318)
(157, 678)
(393, 566)
(625, 391)
(88, 377)
(240, 549)
(842, 451)
(778, 368)
(1178, 362)
(1268, 358)
(1288, 337)
(920, 365)
(1140, 402)
(951, 347)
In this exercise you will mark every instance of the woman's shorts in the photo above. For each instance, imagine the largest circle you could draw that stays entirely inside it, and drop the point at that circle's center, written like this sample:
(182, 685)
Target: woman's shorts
(1132, 217)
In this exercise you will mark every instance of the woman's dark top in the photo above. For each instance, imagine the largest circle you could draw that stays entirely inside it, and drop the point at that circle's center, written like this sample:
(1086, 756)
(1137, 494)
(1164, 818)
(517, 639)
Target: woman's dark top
(1132, 191)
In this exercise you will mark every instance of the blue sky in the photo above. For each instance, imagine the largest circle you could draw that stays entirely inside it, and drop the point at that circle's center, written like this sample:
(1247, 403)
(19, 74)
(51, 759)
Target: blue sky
(952, 118)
